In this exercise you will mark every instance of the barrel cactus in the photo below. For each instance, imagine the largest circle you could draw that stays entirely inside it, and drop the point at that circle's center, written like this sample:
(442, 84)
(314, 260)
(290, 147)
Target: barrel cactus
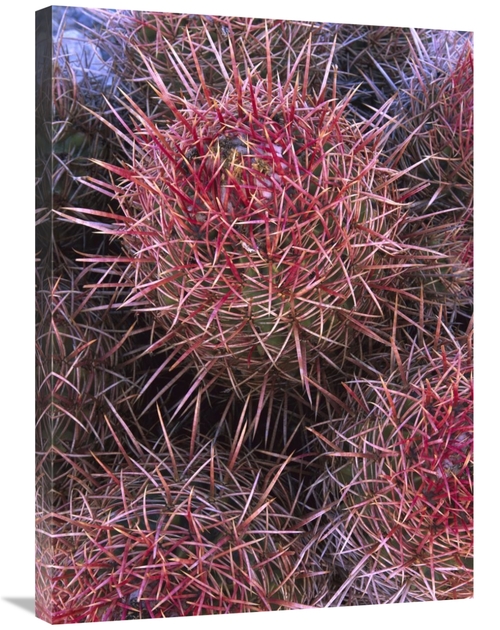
(172, 534)
(81, 352)
(262, 227)
(436, 102)
(201, 41)
(277, 252)
(401, 467)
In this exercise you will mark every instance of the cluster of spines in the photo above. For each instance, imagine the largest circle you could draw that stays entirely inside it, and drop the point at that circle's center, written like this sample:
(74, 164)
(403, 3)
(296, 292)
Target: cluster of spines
(400, 465)
(436, 293)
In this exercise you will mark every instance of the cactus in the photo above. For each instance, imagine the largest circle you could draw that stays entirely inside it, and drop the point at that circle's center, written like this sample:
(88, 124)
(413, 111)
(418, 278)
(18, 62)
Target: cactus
(274, 248)
(169, 534)
(199, 42)
(81, 351)
(262, 227)
(404, 529)
(436, 102)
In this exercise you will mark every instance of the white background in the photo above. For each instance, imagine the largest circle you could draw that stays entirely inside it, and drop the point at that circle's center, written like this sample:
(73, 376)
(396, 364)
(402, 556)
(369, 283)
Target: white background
(17, 311)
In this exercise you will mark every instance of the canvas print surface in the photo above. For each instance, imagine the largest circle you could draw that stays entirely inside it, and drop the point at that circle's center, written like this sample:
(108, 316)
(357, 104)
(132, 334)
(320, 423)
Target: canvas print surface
(254, 315)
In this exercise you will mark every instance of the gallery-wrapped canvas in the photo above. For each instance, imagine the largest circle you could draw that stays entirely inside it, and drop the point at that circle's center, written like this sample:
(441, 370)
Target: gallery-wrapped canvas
(254, 298)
